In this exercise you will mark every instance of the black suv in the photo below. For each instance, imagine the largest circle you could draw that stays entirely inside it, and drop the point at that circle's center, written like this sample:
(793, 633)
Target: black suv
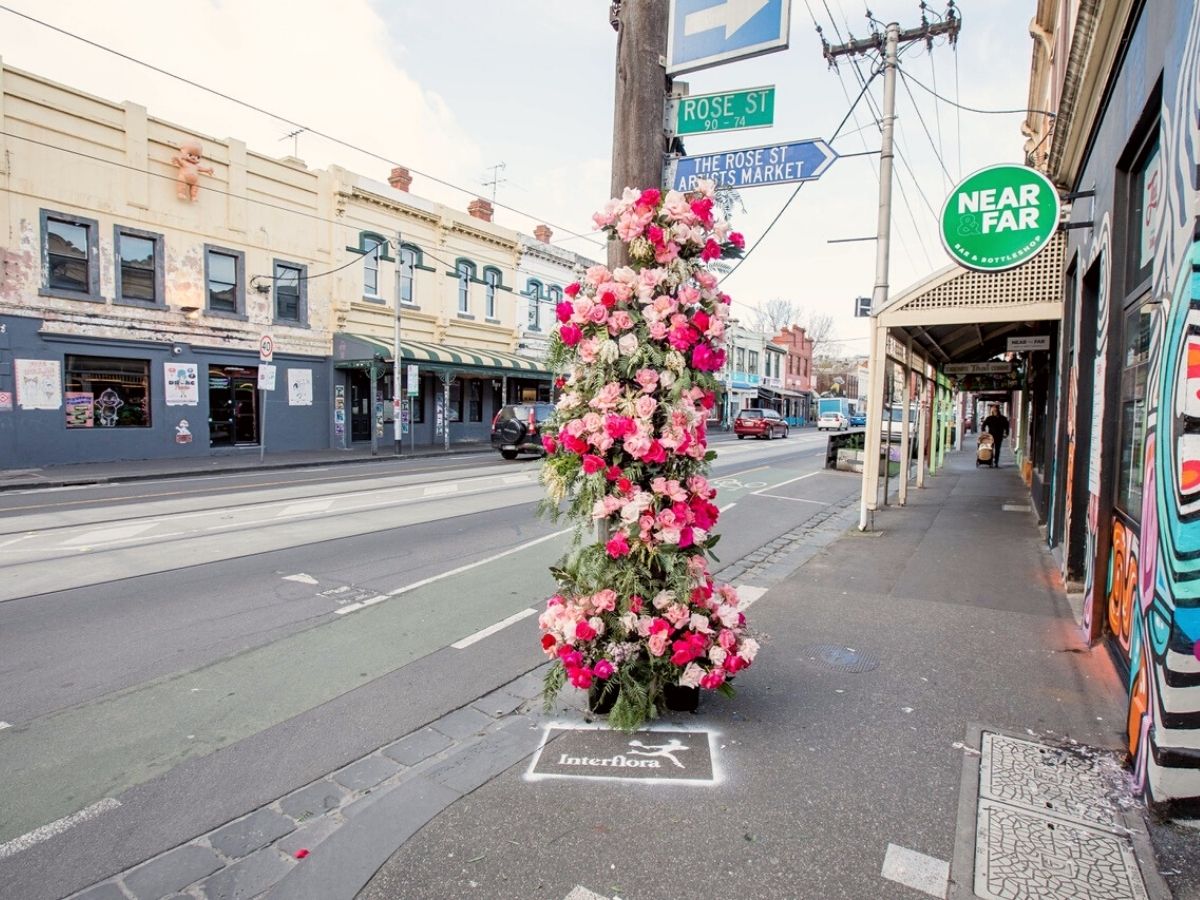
(516, 428)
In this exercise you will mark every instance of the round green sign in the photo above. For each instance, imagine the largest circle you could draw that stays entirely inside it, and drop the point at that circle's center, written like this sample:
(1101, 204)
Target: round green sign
(999, 217)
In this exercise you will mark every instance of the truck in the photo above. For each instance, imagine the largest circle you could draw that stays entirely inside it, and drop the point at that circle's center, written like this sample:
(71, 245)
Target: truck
(833, 413)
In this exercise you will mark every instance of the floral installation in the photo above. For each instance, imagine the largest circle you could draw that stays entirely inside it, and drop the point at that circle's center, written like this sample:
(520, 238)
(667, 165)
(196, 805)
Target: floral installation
(637, 610)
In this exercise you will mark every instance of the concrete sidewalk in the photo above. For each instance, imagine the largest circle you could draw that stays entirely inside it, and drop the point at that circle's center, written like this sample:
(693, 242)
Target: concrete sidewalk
(849, 765)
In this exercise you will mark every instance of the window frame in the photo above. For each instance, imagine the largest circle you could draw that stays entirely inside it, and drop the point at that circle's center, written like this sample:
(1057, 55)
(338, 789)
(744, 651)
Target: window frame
(239, 291)
(406, 272)
(474, 400)
(301, 320)
(1142, 308)
(371, 259)
(464, 274)
(533, 293)
(493, 280)
(92, 226)
(160, 294)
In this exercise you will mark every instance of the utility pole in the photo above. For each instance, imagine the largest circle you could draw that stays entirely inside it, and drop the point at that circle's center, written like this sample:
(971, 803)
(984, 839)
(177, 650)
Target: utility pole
(639, 101)
(397, 355)
(888, 43)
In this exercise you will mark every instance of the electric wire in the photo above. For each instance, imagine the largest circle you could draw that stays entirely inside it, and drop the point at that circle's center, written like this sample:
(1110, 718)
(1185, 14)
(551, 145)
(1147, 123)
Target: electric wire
(281, 118)
(937, 113)
(958, 112)
(976, 109)
(925, 127)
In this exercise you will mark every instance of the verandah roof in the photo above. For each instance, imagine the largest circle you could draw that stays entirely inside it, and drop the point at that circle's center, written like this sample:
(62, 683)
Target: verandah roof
(352, 351)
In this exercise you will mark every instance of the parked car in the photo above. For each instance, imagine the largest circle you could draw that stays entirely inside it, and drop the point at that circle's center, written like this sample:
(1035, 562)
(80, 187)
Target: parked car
(517, 428)
(761, 423)
(858, 420)
(833, 421)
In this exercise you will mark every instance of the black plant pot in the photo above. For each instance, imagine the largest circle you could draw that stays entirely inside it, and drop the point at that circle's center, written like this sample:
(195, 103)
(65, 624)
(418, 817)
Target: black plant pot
(679, 698)
(602, 695)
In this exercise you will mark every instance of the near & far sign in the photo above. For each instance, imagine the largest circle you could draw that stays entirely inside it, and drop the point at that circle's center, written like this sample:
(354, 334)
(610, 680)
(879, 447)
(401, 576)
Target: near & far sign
(999, 218)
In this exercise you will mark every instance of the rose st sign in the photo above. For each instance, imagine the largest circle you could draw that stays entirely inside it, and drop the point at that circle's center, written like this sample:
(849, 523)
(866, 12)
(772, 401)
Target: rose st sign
(999, 218)
(726, 111)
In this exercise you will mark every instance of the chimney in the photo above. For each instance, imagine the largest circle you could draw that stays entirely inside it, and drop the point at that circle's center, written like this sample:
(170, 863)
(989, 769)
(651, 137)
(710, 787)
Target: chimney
(400, 178)
(480, 209)
(543, 234)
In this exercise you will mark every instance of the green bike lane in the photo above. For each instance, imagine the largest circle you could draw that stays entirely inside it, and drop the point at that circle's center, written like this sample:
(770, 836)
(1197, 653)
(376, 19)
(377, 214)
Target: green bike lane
(73, 759)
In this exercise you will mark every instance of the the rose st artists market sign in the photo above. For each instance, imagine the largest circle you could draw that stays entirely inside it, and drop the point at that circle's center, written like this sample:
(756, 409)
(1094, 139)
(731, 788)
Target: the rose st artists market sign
(999, 218)
(642, 755)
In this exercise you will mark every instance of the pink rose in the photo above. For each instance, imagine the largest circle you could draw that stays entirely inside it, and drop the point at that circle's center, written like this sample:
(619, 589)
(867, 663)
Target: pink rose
(584, 631)
(648, 379)
(657, 643)
(549, 444)
(593, 464)
(604, 670)
(711, 251)
(618, 546)
(570, 334)
(563, 311)
(598, 314)
(737, 240)
(572, 289)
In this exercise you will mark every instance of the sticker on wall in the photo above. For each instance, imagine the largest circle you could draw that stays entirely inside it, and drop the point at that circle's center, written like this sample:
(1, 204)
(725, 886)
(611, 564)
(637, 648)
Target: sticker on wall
(299, 387)
(183, 432)
(39, 383)
(80, 411)
(181, 384)
(6, 401)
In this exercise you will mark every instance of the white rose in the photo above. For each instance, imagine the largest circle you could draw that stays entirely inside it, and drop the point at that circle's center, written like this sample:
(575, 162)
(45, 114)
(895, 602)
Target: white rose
(628, 344)
(691, 676)
(675, 361)
(609, 351)
(748, 649)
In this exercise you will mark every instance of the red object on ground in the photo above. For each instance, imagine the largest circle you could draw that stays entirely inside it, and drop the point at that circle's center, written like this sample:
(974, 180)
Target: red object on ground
(301, 853)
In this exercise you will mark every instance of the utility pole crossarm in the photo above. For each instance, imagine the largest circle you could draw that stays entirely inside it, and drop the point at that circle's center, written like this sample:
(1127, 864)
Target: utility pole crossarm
(875, 43)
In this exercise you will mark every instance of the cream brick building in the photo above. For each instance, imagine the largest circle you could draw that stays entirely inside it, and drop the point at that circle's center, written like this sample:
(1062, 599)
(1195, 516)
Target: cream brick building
(131, 315)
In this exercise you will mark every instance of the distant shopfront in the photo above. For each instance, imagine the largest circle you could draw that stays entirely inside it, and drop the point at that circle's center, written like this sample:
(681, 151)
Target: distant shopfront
(456, 394)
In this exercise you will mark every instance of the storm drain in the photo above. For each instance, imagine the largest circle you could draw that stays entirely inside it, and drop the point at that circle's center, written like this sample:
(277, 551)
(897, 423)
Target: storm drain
(1048, 826)
(842, 659)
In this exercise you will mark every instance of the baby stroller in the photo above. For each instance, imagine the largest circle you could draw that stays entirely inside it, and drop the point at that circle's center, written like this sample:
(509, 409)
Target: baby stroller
(986, 450)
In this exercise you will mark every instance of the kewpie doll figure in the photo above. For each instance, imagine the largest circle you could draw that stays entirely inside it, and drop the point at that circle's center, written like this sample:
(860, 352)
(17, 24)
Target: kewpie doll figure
(188, 160)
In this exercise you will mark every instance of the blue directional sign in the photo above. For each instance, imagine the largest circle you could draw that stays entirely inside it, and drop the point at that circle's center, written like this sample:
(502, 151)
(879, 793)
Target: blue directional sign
(703, 33)
(754, 166)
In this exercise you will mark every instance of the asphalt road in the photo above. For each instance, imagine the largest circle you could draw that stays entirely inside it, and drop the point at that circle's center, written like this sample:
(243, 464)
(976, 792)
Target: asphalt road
(192, 648)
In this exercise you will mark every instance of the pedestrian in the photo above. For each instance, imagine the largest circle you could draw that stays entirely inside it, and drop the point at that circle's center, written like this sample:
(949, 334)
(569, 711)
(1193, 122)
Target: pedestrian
(997, 426)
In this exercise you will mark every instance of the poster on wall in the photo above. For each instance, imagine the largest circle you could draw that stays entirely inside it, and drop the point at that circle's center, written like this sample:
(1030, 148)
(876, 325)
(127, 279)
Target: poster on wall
(299, 387)
(80, 409)
(182, 384)
(39, 383)
(6, 401)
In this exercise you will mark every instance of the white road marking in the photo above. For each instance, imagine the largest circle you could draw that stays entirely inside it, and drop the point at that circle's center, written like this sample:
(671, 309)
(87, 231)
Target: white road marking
(728, 506)
(435, 489)
(516, 479)
(492, 629)
(25, 841)
(748, 594)
(789, 481)
(109, 535)
(579, 892)
(355, 607)
(305, 508)
(793, 499)
(300, 577)
(18, 539)
(916, 870)
(4, 725)
(481, 562)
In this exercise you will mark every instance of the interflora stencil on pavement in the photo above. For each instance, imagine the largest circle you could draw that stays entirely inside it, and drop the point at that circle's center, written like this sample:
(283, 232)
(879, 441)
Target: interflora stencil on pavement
(574, 752)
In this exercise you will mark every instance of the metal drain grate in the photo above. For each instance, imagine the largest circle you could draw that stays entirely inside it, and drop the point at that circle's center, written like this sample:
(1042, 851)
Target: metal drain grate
(842, 659)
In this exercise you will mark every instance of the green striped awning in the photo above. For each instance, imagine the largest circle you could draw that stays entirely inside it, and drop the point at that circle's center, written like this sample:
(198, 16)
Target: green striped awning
(352, 351)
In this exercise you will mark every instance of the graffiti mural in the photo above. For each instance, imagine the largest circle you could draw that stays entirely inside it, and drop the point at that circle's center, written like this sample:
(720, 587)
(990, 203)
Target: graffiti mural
(1164, 560)
(1122, 582)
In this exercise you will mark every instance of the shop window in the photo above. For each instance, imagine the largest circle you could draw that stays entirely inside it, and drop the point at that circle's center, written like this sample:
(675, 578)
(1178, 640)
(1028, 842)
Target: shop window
(69, 256)
(1132, 448)
(291, 293)
(408, 265)
(225, 277)
(475, 400)
(454, 414)
(107, 393)
(139, 268)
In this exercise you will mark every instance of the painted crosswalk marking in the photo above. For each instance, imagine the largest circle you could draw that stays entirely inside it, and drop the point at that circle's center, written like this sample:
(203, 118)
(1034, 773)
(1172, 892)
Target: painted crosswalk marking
(926, 874)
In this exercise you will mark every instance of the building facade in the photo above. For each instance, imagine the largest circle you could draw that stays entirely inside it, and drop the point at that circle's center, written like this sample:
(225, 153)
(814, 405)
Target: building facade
(797, 386)
(1122, 496)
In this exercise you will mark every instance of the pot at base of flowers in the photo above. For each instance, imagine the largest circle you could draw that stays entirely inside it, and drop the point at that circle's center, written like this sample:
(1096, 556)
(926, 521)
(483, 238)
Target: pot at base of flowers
(680, 698)
(602, 695)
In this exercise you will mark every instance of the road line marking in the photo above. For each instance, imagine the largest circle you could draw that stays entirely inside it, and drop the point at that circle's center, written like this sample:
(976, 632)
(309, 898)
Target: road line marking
(481, 562)
(301, 577)
(727, 506)
(579, 892)
(25, 841)
(355, 607)
(789, 481)
(4, 725)
(435, 489)
(516, 479)
(308, 506)
(916, 870)
(739, 474)
(793, 499)
(492, 629)
(748, 594)
(109, 535)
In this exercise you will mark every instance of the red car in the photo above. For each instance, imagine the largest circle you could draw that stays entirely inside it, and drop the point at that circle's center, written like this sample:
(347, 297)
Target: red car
(760, 423)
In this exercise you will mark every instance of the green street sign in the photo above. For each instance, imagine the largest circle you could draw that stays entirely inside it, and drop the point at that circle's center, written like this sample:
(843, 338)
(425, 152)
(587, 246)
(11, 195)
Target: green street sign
(726, 111)
(999, 217)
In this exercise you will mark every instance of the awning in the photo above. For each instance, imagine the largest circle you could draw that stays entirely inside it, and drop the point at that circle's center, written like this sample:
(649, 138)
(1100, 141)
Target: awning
(352, 351)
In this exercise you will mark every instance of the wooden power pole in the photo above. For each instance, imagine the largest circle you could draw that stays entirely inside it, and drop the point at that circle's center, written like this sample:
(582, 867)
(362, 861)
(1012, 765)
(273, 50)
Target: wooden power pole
(639, 102)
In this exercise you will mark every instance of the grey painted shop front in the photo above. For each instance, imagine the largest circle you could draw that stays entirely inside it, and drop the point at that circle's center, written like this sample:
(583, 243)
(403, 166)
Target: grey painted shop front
(458, 390)
(75, 399)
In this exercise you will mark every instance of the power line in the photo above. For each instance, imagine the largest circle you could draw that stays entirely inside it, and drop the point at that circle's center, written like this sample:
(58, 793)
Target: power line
(974, 109)
(958, 113)
(925, 128)
(278, 117)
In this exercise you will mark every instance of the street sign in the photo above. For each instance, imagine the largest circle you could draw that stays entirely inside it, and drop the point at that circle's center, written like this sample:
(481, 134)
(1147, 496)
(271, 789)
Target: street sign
(772, 164)
(1017, 344)
(978, 368)
(266, 348)
(703, 33)
(862, 307)
(999, 217)
(266, 377)
(414, 386)
(727, 111)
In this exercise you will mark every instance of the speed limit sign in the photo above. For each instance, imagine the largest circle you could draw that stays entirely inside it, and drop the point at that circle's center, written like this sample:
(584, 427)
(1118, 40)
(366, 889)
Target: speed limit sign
(266, 348)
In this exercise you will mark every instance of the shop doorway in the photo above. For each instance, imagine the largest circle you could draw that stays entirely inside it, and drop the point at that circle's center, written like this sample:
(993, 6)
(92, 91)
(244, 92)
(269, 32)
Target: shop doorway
(360, 406)
(232, 405)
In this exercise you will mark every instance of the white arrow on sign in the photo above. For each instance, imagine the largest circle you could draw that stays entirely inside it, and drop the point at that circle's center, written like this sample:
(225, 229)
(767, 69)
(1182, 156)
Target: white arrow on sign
(732, 14)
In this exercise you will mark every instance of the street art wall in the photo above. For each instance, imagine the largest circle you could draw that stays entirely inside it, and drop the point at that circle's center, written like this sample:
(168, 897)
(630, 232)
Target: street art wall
(1150, 598)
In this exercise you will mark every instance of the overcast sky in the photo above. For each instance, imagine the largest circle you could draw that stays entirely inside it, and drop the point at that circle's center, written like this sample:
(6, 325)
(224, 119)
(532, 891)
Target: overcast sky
(453, 88)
